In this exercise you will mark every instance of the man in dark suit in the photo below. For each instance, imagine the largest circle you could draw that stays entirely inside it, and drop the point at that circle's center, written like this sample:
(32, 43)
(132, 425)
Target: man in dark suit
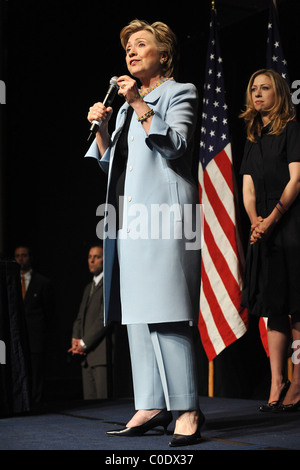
(87, 330)
(38, 296)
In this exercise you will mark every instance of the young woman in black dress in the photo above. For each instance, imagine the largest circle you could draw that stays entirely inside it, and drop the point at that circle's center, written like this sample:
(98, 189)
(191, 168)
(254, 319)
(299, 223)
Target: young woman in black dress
(271, 187)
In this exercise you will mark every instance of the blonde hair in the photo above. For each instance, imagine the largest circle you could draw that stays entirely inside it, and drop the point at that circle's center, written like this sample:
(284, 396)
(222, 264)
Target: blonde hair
(165, 39)
(281, 112)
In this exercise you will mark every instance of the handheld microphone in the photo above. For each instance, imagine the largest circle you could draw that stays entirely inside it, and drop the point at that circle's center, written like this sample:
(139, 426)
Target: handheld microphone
(109, 97)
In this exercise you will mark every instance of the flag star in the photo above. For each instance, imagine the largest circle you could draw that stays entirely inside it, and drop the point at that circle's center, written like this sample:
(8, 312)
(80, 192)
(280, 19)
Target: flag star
(275, 58)
(214, 110)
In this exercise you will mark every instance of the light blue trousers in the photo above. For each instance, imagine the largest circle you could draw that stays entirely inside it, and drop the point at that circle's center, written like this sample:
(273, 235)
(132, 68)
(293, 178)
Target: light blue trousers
(163, 366)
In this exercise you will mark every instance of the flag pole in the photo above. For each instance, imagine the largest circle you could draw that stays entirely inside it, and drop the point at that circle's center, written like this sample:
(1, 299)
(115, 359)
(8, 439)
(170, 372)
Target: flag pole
(276, 9)
(211, 378)
(211, 363)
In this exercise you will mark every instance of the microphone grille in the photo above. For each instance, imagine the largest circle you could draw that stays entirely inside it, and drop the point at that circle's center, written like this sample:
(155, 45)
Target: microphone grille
(113, 81)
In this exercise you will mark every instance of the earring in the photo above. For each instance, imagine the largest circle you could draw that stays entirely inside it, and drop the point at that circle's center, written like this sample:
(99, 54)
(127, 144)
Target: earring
(162, 61)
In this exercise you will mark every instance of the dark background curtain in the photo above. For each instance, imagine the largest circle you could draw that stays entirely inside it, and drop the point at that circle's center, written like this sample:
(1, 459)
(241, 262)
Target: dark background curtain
(15, 366)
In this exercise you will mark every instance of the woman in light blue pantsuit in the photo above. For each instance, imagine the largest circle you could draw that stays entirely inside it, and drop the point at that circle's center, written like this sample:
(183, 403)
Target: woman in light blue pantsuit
(169, 380)
(152, 232)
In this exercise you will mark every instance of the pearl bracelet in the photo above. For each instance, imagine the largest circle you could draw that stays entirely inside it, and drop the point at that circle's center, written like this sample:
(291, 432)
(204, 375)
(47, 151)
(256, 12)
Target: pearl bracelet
(146, 115)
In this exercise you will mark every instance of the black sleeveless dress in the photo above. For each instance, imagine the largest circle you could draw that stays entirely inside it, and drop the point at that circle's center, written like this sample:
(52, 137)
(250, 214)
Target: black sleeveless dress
(272, 271)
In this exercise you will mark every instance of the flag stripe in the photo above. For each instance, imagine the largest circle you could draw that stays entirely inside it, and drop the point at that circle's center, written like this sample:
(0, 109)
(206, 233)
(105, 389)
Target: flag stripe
(216, 173)
(218, 228)
(203, 325)
(219, 263)
(219, 292)
(225, 165)
(227, 336)
(263, 333)
(219, 210)
(221, 318)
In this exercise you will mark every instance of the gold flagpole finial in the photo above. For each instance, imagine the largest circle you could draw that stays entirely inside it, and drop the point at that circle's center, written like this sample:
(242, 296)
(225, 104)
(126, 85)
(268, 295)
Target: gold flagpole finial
(212, 5)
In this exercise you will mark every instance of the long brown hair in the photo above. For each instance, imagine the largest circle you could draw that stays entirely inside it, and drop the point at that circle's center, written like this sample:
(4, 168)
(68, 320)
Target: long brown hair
(280, 113)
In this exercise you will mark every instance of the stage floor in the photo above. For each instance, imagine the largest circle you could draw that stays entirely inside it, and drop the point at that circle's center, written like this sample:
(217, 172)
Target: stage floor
(231, 424)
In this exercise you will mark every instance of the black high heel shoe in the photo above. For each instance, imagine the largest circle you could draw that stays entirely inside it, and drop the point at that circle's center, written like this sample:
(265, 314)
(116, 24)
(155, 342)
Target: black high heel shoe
(290, 407)
(163, 418)
(275, 405)
(187, 440)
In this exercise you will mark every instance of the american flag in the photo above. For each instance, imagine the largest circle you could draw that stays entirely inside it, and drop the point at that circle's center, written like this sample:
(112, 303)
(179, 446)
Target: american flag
(222, 320)
(275, 55)
(275, 61)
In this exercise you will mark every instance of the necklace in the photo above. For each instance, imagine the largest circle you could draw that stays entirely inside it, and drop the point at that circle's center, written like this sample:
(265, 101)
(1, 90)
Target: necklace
(159, 82)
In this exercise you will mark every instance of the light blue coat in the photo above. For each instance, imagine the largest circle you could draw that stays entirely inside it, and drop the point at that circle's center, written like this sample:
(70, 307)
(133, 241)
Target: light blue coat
(159, 278)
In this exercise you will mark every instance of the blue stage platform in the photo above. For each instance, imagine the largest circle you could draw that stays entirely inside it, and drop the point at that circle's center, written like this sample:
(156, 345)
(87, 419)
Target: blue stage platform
(231, 424)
